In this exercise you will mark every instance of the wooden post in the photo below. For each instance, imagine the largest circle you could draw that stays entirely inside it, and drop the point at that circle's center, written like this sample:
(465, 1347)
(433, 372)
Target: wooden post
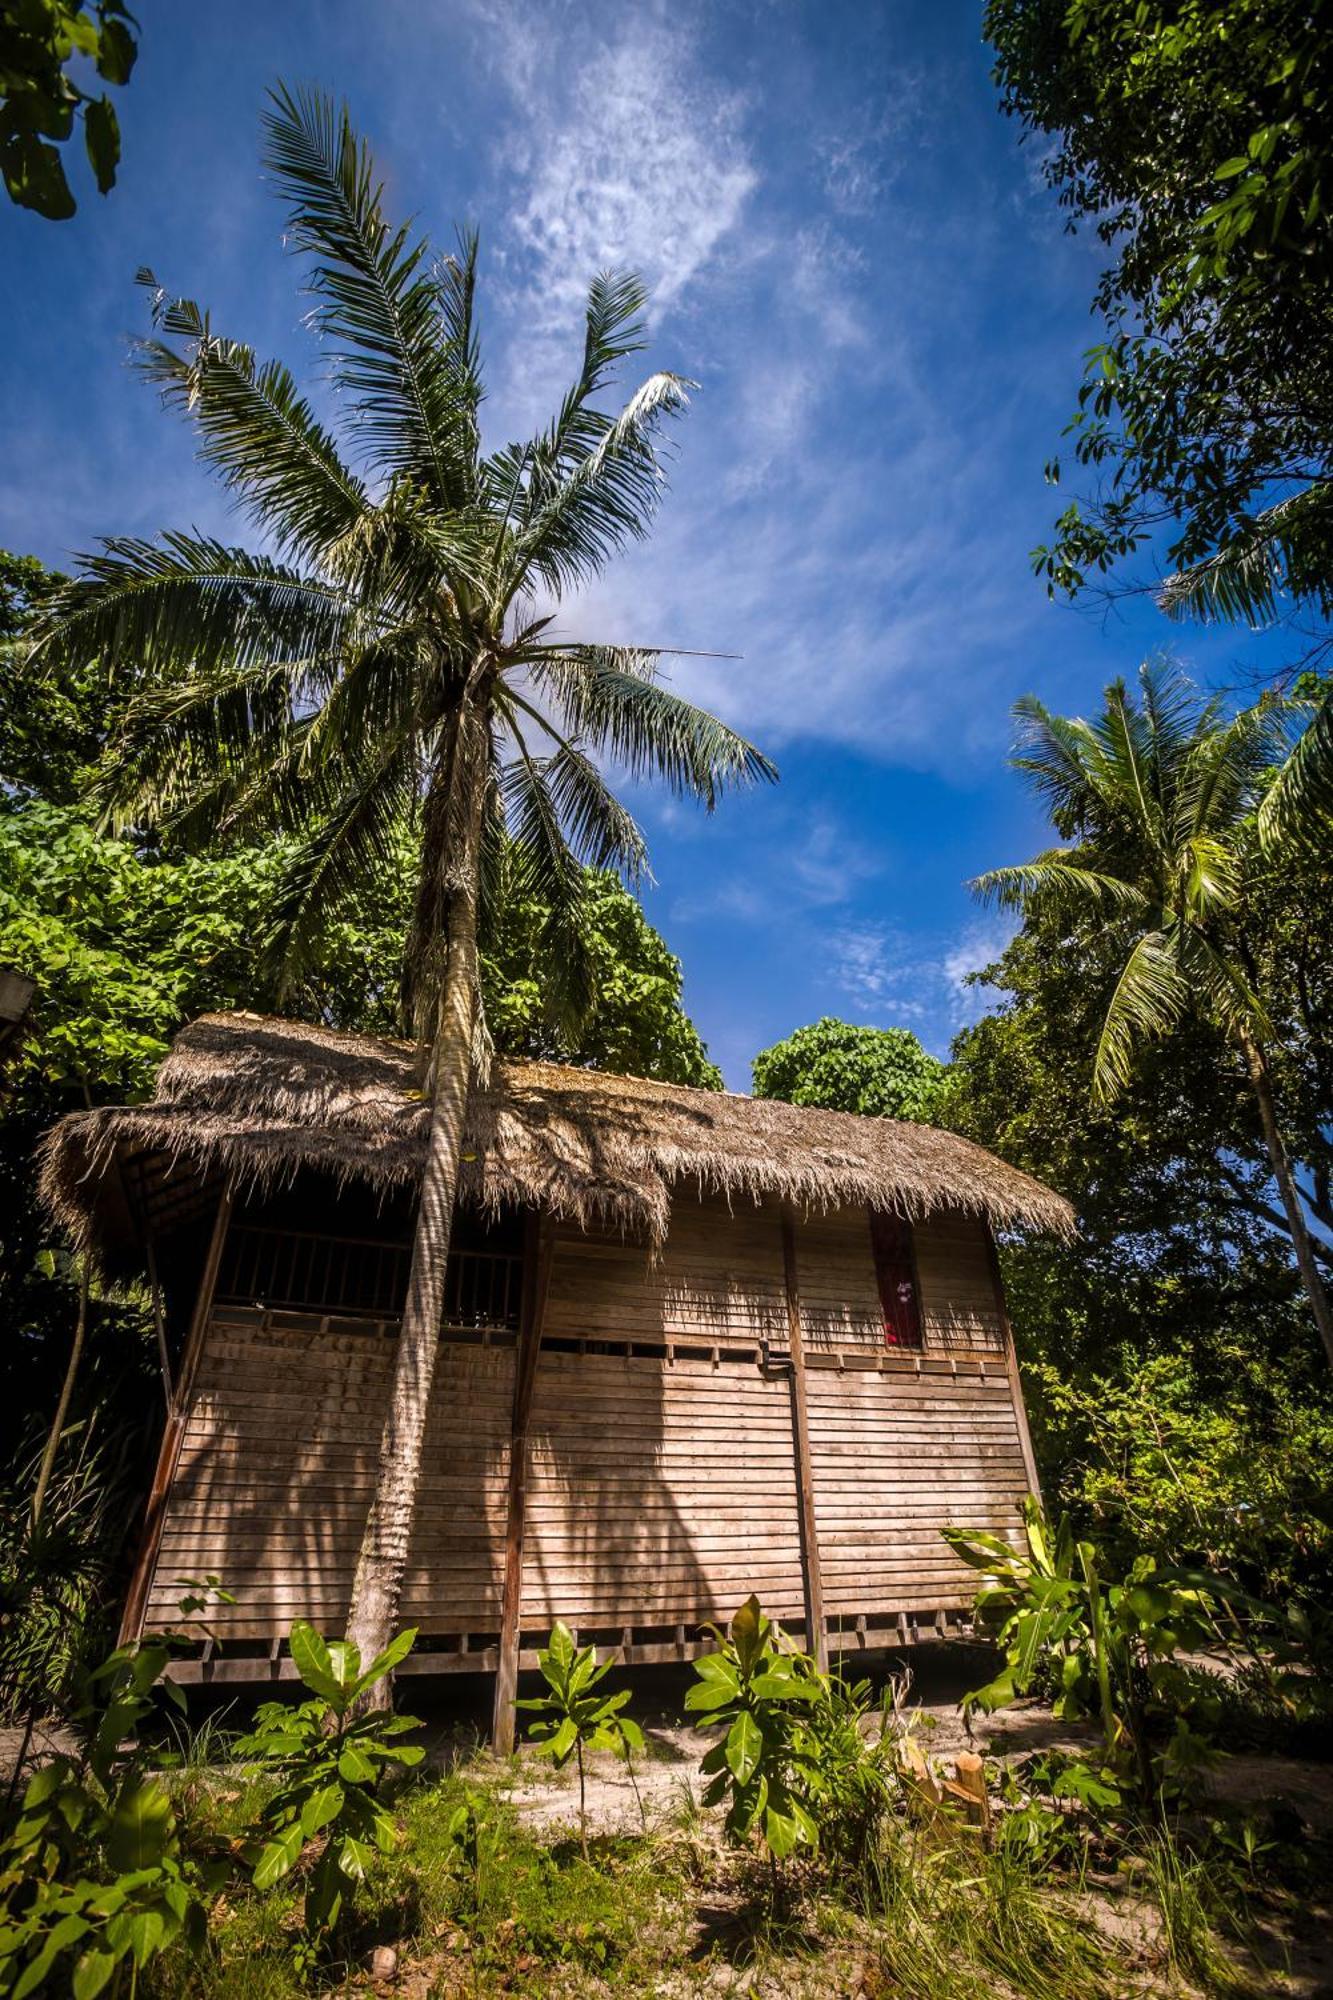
(136, 1601)
(815, 1640)
(1011, 1363)
(540, 1253)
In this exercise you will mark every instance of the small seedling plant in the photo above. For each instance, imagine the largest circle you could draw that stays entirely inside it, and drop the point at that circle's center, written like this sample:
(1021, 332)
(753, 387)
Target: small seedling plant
(331, 1756)
(93, 1879)
(574, 1718)
(760, 1692)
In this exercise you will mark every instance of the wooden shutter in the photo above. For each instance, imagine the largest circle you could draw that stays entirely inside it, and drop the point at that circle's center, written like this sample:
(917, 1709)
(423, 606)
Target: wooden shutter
(895, 1272)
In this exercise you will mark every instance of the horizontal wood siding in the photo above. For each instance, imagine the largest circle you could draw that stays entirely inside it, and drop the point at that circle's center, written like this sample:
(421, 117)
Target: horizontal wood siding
(658, 1494)
(896, 1457)
(663, 1482)
(717, 1278)
(835, 1272)
(277, 1471)
(959, 1308)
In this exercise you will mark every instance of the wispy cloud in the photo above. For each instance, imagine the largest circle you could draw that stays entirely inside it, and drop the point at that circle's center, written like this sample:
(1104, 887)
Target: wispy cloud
(896, 979)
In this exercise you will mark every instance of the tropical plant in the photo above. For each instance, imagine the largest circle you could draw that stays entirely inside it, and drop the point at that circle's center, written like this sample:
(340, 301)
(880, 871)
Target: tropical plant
(851, 1774)
(40, 100)
(1165, 802)
(330, 1760)
(92, 1871)
(878, 1072)
(756, 1689)
(573, 1719)
(1108, 1651)
(1191, 138)
(391, 659)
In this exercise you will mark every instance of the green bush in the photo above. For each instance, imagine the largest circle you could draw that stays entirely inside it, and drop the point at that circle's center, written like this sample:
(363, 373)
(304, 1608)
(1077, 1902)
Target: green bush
(330, 1755)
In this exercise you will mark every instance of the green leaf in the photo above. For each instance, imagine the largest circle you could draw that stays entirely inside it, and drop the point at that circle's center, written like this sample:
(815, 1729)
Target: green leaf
(393, 1655)
(355, 1766)
(141, 1828)
(320, 1808)
(281, 1855)
(101, 137)
(781, 1832)
(91, 1974)
(312, 1660)
(747, 1631)
(745, 1747)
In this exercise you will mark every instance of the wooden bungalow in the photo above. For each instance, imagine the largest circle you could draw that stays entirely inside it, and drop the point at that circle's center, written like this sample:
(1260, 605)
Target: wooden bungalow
(695, 1344)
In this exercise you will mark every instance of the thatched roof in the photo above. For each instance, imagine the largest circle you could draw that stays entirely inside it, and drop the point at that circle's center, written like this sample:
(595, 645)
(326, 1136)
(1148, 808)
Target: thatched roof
(260, 1098)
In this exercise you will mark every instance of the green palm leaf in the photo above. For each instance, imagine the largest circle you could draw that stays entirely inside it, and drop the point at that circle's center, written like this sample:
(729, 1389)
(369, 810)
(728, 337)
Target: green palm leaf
(381, 306)
(1151, 996)
(255, 430)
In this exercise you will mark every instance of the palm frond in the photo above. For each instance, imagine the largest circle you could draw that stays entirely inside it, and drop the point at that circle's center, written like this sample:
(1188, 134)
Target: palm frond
(1056, 754)
(1058, 878)
(1297, 809)
(1211, 875)
(1282, 552)
(573, 520)
(544, 867)
(188, 604)
(1151, 996)
(1223, 988)
(386, 314)
(1224, 769)
(341, 860)
(254, 429)
(609, 698)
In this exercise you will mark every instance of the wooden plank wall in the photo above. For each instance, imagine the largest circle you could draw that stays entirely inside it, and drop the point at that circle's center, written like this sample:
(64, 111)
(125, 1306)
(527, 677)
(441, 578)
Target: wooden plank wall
(956, 1281)
(658, 1494)
(277, 1469)
(663, 1480)
(896, 1456)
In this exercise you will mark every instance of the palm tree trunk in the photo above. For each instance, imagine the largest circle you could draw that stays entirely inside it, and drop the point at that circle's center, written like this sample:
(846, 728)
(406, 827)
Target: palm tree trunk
(384, 1545)
(47, 1466)
(1256, 1062)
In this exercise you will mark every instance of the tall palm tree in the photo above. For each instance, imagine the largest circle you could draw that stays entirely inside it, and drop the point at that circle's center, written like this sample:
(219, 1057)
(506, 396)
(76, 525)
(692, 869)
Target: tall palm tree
(391, 655)
(1163, 803)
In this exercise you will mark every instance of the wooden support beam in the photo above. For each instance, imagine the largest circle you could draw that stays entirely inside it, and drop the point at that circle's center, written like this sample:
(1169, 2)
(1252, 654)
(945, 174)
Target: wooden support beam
(540, 1254)
(136, 1600)
(1011, 1364)
(811, 1580)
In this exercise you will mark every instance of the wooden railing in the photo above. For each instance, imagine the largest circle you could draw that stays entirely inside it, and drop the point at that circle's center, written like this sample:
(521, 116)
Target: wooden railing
(361, 1274)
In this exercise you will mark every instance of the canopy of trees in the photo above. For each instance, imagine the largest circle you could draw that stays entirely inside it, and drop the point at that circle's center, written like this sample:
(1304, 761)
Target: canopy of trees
(879, 1072)
(41, 100)
(1194, 139)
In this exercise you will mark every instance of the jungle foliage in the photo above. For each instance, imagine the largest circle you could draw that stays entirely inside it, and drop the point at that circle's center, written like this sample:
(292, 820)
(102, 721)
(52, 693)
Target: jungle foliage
(43, 45)
(1193, 140)
(878, 1072)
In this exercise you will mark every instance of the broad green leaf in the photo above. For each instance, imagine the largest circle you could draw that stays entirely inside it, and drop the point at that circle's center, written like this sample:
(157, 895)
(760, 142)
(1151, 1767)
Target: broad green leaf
(320, 1808)
(310, 1657)
(355, 1766)
(393, 1655)
(141, 1828)
(345, 1663)
(747, 1631)
(706, 1696)
(279, 1856)
(781, 1832)
(745, 1747)
(92, 1973)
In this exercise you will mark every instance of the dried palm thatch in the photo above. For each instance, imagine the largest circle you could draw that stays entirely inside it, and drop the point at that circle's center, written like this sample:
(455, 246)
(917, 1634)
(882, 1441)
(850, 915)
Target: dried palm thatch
(260, 1098)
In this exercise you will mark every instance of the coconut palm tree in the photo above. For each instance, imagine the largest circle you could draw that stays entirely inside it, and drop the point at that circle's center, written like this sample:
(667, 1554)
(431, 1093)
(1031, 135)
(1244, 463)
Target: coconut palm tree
(391, 655)
(1162, 802)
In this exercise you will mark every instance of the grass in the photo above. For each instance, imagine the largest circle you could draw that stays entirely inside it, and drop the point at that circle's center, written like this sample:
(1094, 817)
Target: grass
(669, 1912)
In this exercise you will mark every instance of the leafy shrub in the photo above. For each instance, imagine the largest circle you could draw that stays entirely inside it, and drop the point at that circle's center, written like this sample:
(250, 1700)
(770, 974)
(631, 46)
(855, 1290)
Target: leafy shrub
(572, 1718)
(757, 1691)
(92, 1872)
(1106, 1651)
(330, 1758)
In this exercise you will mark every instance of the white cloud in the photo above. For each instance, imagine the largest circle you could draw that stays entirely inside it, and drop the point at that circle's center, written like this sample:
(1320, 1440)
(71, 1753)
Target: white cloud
(896, 980)
(624, 153)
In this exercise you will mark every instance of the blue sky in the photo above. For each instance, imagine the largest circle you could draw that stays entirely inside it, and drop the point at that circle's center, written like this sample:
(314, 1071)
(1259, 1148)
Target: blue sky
(852, 255)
